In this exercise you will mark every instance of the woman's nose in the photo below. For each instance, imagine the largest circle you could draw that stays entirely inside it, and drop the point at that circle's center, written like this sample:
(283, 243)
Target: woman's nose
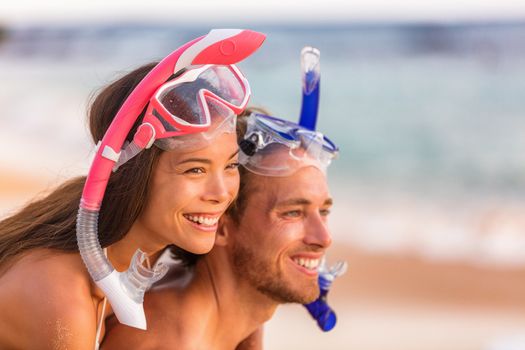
(219, 189)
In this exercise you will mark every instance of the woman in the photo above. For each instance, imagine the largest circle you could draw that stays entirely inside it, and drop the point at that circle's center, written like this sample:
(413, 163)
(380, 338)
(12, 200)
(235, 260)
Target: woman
(174, 178)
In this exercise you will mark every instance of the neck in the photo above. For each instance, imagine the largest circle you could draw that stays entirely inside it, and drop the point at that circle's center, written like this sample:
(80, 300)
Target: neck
(240, 308)
(121, 252)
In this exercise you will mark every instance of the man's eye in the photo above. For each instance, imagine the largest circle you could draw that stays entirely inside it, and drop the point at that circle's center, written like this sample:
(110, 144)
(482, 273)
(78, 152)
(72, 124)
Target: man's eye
(324, 212)
(194, 171)
(292, 214)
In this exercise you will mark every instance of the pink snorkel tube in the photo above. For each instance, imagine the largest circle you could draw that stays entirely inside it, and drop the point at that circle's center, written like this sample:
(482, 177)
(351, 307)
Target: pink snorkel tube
(125, 291)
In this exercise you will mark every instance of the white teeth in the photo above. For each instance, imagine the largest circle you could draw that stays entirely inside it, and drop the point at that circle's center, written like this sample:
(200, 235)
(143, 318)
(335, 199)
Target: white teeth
(310, 264)
(202, 220)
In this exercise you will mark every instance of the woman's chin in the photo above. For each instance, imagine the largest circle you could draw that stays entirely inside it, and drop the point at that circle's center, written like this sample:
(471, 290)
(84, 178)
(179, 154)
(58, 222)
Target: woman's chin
(199, 243)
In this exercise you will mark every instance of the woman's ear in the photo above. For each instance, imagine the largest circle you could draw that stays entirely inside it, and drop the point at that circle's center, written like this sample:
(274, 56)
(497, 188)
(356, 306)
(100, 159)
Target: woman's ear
(224, 231)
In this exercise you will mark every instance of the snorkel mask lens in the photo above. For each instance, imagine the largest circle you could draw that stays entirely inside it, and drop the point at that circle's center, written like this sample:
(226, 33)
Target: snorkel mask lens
(314, 146)
(275, 147)
(193, 101)
(223, 120)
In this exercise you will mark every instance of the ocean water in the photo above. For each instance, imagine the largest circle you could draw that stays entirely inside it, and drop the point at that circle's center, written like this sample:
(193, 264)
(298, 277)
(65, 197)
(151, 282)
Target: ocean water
(430, 120)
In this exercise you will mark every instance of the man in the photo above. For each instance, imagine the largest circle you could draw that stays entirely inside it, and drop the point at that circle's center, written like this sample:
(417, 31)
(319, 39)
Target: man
(266, 252)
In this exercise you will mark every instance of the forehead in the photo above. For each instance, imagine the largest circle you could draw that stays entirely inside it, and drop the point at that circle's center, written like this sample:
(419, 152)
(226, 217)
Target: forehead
(220, 146)
(307, 183)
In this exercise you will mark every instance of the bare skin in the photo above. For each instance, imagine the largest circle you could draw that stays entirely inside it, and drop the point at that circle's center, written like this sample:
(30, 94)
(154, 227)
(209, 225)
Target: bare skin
(253, 267)
(48, 299)
(36, 306)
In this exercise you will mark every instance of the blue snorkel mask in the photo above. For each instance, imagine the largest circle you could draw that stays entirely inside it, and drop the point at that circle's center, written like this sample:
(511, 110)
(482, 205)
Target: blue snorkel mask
(276, 147)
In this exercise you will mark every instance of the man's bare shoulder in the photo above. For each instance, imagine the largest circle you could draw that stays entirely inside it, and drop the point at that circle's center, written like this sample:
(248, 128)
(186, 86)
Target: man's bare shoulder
(164, 309)
(182, 302)
(47, 302)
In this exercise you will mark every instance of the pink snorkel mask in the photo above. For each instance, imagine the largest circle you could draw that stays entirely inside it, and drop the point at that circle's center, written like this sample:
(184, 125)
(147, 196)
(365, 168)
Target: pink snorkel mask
(181, 111)
(210, 92)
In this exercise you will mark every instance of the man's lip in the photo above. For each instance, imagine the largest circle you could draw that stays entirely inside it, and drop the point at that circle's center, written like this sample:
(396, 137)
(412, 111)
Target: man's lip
(307, 255)
(306, 271)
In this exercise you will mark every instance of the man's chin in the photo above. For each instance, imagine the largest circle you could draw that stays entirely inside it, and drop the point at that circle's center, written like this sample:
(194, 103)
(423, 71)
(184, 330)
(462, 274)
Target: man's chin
(303, 298)
(283, 295)
(309, 297)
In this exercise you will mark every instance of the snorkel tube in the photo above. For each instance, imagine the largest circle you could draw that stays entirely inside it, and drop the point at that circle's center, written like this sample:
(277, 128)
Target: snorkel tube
(125, 290)
(311, 76)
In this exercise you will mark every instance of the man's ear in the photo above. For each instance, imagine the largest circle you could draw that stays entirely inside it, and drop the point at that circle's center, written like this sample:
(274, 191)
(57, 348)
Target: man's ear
(226, 226)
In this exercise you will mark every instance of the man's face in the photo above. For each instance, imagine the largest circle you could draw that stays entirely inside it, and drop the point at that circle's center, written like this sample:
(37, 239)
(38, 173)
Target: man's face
(282, 235)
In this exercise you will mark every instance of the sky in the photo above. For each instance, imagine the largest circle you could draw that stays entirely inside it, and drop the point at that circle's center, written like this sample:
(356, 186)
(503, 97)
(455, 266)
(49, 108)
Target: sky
(245, 11)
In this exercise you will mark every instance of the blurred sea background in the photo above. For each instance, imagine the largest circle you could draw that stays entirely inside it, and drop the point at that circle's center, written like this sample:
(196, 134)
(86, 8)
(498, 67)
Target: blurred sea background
(429, 186)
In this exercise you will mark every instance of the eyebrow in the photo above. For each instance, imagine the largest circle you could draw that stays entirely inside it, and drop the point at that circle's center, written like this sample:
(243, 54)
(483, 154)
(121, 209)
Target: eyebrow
(301, 201)
(204, 160)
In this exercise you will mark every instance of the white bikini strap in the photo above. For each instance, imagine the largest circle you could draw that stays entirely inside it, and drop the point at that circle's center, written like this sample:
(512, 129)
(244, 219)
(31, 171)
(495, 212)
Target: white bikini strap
(101, 318)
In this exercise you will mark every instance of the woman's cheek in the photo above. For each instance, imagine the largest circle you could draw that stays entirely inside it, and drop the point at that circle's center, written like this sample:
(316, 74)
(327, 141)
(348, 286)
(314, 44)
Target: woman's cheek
(233, 184)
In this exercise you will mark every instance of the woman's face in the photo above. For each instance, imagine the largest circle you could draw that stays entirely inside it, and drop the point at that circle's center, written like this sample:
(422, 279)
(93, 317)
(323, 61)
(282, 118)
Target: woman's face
(189, 191)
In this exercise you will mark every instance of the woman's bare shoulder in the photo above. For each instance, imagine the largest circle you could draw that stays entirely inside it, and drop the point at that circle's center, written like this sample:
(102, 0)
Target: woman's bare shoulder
(48, 271)
(48, 302)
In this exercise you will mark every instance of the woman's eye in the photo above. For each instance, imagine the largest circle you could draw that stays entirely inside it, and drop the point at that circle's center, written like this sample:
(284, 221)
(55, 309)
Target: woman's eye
(234, 165)
(194, 171)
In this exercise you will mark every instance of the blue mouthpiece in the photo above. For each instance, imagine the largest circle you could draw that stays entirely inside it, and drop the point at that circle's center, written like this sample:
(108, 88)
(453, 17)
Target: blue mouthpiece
(319, 309)
(323, 314)
(311, 72)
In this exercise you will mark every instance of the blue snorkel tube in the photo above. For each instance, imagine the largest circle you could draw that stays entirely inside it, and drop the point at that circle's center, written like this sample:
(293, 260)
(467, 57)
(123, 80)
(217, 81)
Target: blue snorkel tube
(311, 77)
(311, 74)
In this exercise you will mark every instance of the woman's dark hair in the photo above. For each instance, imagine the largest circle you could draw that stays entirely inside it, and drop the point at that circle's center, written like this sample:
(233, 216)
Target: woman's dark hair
(236, 210)
(50, 222)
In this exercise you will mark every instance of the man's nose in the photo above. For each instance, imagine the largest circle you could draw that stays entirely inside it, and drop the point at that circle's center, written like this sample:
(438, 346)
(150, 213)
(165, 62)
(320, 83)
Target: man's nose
(317, 232)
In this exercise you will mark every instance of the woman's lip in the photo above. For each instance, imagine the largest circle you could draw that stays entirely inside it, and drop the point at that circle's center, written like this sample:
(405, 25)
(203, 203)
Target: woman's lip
(309, 255)
(206, 215)
(205, 228)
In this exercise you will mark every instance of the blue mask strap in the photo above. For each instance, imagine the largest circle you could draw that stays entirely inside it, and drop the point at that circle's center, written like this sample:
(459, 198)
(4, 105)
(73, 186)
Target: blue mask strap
(311, 80)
